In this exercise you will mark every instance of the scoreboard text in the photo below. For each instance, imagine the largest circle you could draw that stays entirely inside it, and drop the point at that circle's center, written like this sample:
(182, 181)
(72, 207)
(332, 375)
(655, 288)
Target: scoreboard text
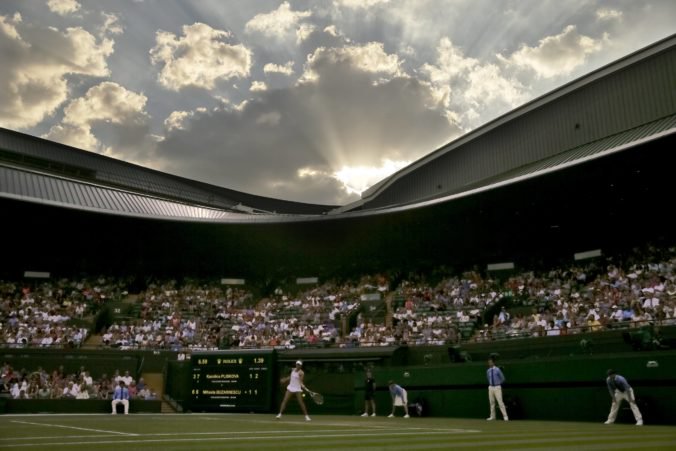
(232, 381)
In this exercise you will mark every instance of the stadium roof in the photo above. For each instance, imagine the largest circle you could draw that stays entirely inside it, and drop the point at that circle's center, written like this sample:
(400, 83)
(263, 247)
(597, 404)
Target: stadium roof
(40, 156)
(40, 171)
(59, 191)
(594, 89)
(577, 155)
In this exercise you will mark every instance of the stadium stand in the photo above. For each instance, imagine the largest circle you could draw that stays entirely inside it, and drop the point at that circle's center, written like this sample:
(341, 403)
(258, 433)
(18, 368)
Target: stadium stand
(578, 168)
(614, 292)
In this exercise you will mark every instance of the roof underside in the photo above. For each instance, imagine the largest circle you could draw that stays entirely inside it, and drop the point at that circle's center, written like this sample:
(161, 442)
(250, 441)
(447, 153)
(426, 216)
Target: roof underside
(619, 200)
(624, 96)
(39, 155)
(22, 184)
(45, 188)
(577, 155)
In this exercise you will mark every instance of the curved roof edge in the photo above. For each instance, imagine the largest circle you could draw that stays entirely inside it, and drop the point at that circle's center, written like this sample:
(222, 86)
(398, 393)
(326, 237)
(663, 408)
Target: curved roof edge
(37, 170)
(46, 189)
(615, 66)
(26, 150)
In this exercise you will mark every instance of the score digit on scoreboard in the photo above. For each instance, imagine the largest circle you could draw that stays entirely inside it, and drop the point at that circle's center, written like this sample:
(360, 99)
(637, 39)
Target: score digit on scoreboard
(232, 381)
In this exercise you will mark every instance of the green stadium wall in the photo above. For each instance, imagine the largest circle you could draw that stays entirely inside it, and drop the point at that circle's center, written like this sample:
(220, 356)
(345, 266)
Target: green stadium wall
(559, 388)
(549, 378)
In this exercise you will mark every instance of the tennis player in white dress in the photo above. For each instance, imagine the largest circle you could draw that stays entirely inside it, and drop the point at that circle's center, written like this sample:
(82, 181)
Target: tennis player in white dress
(295, 386)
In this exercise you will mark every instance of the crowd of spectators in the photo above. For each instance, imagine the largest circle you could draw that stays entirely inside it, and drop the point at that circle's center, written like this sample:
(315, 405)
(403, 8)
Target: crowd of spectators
(622, 292)
(57, 384)
(208, 316)
(312, 317)
(42, 314)
(605, 293)
(178, 317)
(633, 292)
(431, 314)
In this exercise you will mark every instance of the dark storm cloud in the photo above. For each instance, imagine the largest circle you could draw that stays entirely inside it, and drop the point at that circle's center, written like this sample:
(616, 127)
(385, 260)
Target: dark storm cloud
(342, 118)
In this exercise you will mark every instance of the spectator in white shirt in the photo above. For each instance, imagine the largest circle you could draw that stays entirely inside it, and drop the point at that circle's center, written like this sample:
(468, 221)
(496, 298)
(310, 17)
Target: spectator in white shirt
(127, 378)
(87, 379)
(71, 390)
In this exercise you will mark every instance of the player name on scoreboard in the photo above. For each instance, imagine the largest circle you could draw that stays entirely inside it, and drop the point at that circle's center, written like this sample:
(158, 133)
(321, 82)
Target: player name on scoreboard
(230, 381)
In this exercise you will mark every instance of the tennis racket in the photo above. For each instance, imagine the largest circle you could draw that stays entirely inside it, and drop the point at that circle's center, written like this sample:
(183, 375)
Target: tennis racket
(316, 397)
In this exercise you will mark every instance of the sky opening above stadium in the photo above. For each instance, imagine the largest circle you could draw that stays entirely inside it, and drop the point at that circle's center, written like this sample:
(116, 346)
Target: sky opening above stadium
(311, 101)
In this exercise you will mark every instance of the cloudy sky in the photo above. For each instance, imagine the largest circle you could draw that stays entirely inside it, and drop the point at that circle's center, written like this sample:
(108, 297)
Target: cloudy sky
(305, 100)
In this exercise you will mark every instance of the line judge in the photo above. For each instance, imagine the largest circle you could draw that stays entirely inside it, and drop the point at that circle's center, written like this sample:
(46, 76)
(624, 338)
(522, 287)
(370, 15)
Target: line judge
(495, 381)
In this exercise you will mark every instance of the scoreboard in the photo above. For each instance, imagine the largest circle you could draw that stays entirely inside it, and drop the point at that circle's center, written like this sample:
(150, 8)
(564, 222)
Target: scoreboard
(232, 381)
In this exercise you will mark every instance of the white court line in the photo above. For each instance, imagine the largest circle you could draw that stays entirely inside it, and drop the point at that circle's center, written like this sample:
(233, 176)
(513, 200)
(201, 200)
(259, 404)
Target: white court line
(358, 424)
(53, 437)
(68, 414)
(167, 434)
(145, 414)
(286, 431)
(74, 427)
(378, 426)
(297, 435)
(318, 421)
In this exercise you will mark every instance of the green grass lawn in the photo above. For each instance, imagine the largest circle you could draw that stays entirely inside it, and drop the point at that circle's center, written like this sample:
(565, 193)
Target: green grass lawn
(254, 432)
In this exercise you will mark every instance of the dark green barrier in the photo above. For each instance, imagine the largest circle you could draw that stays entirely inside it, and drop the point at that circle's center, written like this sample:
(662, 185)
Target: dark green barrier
(76, 406)
(71, 361)
(564, 388)
(178, 381)
(97, 361)
(551, 378)
(605, 342)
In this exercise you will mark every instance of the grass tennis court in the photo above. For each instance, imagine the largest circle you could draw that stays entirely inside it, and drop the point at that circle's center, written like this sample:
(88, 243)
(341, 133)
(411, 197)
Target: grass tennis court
(254, 432)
